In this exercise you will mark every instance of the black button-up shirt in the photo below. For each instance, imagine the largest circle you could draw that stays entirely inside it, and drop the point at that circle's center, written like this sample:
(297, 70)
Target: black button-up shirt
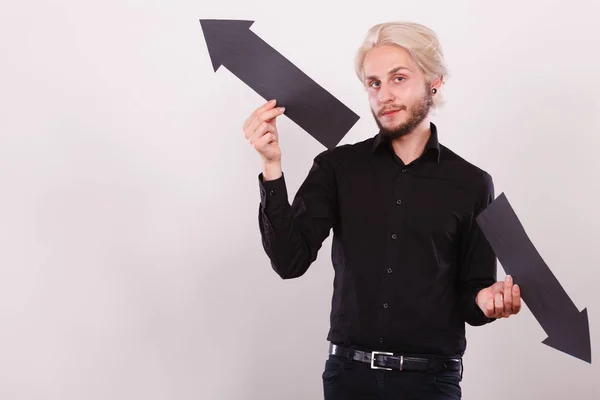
(408, 255)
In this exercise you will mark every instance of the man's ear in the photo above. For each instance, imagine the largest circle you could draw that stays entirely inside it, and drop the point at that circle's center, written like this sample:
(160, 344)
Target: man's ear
(437, 83)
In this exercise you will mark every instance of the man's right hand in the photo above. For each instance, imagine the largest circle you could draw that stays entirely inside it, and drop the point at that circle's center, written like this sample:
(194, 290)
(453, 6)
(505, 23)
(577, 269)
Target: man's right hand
(260, 130)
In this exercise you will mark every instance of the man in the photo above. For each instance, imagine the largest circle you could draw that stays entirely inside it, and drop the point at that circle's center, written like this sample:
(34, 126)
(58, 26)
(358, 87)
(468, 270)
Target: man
(411, 264)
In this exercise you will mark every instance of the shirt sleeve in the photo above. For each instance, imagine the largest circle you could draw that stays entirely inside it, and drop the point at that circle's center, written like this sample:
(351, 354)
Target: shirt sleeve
(292, 234)
(477, 260)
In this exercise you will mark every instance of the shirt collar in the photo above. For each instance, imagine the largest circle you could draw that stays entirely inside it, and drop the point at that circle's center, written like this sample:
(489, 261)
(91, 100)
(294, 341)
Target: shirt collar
(433, 143)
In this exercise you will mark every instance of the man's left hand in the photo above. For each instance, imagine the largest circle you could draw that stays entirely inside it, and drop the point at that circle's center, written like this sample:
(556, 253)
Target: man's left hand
(500, 300)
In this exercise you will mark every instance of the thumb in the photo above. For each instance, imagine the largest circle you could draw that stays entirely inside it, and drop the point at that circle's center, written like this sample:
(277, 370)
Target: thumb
(498, 287)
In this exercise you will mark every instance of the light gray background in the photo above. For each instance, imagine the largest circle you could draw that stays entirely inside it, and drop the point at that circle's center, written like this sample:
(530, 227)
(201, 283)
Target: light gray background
(130, 258)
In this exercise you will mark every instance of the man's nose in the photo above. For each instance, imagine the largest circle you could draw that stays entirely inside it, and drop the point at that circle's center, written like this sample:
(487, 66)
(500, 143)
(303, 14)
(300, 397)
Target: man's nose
(385, 95)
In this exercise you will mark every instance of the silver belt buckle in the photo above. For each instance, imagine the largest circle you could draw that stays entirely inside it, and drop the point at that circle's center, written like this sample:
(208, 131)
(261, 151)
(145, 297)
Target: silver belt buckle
(384, 353)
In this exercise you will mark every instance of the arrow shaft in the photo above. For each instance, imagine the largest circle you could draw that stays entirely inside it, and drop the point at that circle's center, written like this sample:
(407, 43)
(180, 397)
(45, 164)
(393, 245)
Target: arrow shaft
(541, 291)
(271, 75)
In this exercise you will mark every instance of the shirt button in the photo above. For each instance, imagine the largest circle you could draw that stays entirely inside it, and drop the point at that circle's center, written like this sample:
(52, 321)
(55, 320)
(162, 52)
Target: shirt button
(389, 270)
(394, 236)
(398, 201)
(385, 305)
(380, 340)
(403, 169)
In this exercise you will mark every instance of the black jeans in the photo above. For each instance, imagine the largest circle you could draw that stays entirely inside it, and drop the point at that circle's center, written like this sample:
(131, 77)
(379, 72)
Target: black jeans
(345, 379)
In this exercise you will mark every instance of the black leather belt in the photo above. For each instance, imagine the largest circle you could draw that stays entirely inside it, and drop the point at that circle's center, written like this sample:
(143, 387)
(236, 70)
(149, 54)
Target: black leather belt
(398, 362)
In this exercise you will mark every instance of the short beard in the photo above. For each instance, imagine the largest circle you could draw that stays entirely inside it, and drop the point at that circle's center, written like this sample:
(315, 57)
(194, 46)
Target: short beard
(417, 113)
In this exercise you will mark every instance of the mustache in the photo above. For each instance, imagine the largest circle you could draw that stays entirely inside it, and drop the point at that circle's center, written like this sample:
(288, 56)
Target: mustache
(388, 109)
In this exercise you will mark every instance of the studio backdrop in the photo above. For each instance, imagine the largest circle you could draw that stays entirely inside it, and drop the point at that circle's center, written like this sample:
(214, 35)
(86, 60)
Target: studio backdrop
(131, 263)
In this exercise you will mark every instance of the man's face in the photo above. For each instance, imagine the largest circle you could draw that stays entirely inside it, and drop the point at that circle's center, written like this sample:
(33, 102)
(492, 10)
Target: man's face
(400, 98)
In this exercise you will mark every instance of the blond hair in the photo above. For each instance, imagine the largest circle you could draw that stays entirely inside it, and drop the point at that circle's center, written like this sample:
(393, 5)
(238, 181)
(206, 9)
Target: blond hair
(418, 40)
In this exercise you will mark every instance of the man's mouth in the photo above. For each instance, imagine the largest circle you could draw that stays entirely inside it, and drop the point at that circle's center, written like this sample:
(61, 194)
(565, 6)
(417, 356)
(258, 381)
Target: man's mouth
(387, 113)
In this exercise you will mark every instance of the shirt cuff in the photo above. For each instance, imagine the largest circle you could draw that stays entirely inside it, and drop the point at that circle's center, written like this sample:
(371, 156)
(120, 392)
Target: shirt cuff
(273, 193)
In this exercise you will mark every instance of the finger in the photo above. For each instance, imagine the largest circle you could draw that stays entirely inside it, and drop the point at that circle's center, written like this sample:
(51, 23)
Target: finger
(266, 116)
(261, 144)
(262, 129)
(498, 305)
(508, 300)
(516, 299)
(268, 138)
(259, 110)
(498, 287)
(489, 308)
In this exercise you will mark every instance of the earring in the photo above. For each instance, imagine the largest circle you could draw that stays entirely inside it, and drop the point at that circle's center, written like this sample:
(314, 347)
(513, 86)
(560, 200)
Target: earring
(434, 90)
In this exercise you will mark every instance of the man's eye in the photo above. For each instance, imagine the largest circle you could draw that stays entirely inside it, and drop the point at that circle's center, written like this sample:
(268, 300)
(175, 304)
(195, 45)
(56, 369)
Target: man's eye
(374, 83)
(399, 77)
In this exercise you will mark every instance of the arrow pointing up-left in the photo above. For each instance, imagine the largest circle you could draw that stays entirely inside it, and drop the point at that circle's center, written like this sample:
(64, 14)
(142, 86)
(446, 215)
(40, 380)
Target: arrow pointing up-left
(231, 44)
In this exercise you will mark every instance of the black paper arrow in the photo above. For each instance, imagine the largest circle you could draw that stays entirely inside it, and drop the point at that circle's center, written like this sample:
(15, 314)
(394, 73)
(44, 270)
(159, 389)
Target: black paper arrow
(231, 44)
(567, 328)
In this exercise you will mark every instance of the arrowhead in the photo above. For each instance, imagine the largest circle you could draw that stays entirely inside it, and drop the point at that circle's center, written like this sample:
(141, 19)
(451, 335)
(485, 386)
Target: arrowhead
(223, 37)
(574, 339)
